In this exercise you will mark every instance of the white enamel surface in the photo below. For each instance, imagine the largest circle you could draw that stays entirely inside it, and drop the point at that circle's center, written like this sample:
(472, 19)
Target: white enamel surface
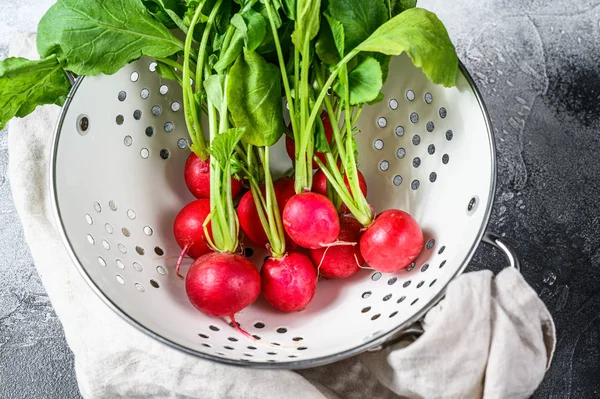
(146, 193)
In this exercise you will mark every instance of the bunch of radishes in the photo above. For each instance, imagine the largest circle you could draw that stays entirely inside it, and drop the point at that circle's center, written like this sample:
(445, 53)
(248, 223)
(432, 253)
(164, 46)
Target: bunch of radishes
(318, 224)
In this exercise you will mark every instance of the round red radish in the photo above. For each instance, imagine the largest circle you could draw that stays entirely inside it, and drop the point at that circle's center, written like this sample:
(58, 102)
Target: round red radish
(319, 184)
(311, 220)
(222, 284)
(392, 241)
(341, 260)
(188, 227)
(290, 145)
(248, 215)
(289, 283)
(197, 178)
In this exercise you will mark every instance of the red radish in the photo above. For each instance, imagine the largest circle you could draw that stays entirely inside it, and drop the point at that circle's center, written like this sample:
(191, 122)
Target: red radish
(289, 283)
(342, 260)
(248, 215)
(392, 241)
(197, 178)
(311, 220)
(320, 183)
(222, 284)
(189, 231)
(290, 145)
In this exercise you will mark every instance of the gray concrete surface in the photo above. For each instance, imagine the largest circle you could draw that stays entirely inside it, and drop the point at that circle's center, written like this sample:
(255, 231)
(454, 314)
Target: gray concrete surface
(536, 63)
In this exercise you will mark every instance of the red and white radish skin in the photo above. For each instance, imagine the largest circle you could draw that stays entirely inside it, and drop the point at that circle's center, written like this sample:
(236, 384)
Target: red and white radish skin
(248, 215)
(340, 261)
(188, 228)
(197, 178)
(311, 220)
(319, 184)
(222, 284)
(289, 283)
(392, 241)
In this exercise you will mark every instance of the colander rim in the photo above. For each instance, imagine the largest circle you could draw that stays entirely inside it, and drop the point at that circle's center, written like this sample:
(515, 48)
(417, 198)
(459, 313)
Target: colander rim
(292, 365)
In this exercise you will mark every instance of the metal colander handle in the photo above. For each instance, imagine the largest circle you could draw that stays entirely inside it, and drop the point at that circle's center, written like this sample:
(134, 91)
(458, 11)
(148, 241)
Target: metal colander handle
(413, 332)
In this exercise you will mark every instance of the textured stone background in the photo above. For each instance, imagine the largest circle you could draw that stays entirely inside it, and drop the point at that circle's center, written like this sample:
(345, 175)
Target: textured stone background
(536, 63)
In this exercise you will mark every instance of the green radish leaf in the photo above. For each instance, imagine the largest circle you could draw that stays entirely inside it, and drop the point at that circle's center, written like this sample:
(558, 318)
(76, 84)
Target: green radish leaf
(254, 99)
(321, 143)
(223, 145)
(360, 18)
(262, 9)
(95, 36)
(26, 84)
(214, 85)
(168, 10)
(267, 48)
(289, 8)
(231, 52)
(377, 99)
(308, 17)
(212, 60)
(223, 17)
(167, 72)
(236, 166)
(252, 26)
(330, 43)
(424, 38)
(398, 6)
(189, 13)
(384, 61)
(364, 81)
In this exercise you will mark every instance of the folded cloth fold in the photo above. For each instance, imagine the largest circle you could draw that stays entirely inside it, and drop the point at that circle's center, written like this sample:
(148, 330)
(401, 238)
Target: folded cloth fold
(489, 338)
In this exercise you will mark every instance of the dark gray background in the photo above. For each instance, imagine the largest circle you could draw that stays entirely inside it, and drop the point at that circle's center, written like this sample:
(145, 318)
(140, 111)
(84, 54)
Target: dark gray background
(536, 64)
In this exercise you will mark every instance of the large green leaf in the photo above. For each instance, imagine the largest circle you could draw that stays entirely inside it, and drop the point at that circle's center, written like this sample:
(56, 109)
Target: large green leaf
(26, 84)
(231, 53)
(96, 36)
(360, 18)
(424, 38)
(169, 12)
(252, 26)
(398, 6)
(330, 43)
(365, 82)
(308, 18)
(214, 89)
(254, 99)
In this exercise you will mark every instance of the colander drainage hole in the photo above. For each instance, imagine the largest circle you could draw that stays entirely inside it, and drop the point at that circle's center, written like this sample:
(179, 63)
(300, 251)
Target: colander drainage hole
(135, 76)
(248, 354)
(182, 144)
(271, 353)
(442, 249)
(257, 337)
(382, 122)
(393, 104)
(148, 230)
(120, 119)
(154, 284)
(149, 131)
(376, 316)
(412, 266)
(393, 314)
(126, 232)
(232, 339)
(302, 348)
(392, 281)
(131, 214)
(445, 159)
(88, 219)
(366, 294)
(137, 267)
(175, 106)
(97, 207)
(206, 345)
(416, 162)
(297, 339)
(144, 153)
(406, 284)
(430, 243)
(259, 325)
(292, 356)
(120, 264)
(120, 279)
(145, 93)
(229, 348)
(387, 297)
(428, 98)
(152, 66)
(122, 248)
(414, 117)
(443, 112)
(415, 184)
(282, 330)
(401, 299)
(122, 96)
(376, 276)
(101, 261)
(432, 177)
(449, 135)
(109, 229)
(416, 140)
(378, 144)
(169, 127)
(425, 267)
(415, 301)
(83, 124)
(203, 336)
(128, 140)
(112, 205)
(91, 239)
(432, 283)
(442, 264)
(164, 89)
(159, 251)
(420, 284)
(214, 328)
(156, 110)
(431, 149)
(410, 95)
(106, 245)
(400, 153)
(137, 114)
(365, 309)
(232, 326)
(430, 126)
(252, 348)
(165, 154)
(399, 131)
(220, 353)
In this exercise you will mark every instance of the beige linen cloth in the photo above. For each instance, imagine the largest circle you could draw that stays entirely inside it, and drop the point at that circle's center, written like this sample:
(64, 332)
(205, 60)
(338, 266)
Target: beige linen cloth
(491, 337)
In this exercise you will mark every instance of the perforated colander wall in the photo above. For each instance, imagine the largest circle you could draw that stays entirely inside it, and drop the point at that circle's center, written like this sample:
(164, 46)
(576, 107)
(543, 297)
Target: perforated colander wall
(118, 184)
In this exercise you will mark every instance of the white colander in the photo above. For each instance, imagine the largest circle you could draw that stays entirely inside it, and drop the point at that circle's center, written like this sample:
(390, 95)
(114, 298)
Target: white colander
(117, 184)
